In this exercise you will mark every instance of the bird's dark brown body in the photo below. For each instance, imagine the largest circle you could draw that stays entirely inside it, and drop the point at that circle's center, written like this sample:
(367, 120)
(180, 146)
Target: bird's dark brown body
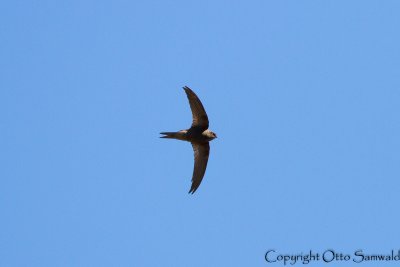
(190, 135)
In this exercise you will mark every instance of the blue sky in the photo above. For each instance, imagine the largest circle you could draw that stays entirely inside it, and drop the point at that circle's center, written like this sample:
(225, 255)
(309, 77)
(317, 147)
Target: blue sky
(304, 97)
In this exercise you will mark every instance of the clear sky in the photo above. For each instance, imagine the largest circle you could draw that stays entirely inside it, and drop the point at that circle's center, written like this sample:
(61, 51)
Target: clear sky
(304, 97)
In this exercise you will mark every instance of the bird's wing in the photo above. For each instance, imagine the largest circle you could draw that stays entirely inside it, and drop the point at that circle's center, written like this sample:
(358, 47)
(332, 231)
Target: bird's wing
(200, 118)
(201, 153)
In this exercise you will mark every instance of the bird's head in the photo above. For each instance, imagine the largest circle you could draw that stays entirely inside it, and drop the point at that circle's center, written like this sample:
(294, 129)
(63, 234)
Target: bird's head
(211, 135)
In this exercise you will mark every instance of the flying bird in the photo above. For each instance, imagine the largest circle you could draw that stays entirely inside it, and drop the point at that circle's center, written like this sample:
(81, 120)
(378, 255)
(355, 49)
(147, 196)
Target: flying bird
(199, 135)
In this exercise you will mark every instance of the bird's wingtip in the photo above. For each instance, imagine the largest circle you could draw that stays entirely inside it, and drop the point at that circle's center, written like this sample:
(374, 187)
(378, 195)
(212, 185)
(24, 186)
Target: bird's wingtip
(192, 190)
(186, 88)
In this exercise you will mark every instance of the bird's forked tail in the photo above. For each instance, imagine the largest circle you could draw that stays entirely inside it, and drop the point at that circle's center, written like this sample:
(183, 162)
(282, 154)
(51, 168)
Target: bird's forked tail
(174, 135)
(169, 135)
